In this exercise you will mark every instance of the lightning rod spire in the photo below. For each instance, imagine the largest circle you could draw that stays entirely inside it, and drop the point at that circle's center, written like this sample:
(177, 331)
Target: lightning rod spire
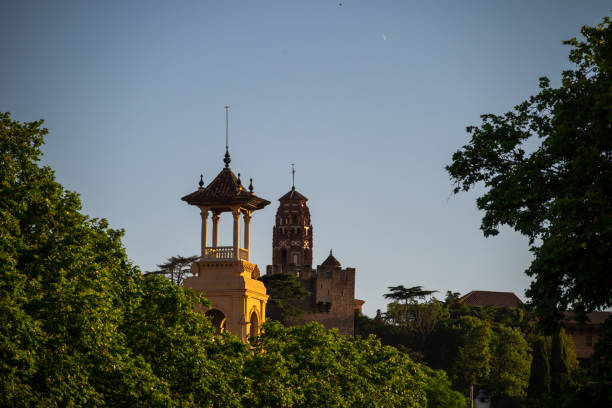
(227, 158)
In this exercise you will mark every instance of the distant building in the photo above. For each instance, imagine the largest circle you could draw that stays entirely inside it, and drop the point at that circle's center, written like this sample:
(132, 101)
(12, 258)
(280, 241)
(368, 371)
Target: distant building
(584, 336)
(332, 288)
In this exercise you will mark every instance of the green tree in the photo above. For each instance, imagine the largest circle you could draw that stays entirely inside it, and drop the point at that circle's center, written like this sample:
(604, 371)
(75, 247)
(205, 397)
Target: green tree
(400, 312)
(285, 292)
(61, 283)
(176, 268)
(510, 363)
(306, 366)
(597, 393)
(439, 390)
(547, 172)
(539, 377)
(79, 326)
(559, 364)
(472, 363)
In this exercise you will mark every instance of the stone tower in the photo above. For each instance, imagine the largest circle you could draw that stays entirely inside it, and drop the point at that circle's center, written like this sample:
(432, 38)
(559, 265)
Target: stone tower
(224, 273)
(332, 288)
(292, 233)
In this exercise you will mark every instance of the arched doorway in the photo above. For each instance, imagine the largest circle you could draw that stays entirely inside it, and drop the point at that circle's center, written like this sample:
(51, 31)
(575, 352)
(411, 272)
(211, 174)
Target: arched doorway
(254, 325)
(218, 320)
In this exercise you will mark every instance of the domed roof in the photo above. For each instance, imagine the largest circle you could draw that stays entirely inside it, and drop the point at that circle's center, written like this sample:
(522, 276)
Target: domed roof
(331, 261)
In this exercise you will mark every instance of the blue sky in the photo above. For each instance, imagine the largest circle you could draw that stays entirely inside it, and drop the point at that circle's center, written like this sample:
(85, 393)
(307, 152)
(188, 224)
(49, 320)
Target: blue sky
(368, 99)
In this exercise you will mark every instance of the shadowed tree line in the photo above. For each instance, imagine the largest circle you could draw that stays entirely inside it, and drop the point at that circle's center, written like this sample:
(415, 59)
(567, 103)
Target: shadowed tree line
(496, 349)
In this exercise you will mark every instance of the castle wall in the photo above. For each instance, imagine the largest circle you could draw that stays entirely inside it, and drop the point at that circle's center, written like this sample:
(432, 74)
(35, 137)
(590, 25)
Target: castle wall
(332, 299)
(332, 296)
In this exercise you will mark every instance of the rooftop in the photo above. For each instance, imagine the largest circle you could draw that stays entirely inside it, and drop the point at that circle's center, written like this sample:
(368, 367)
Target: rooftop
(225, 191)
(331, 261)
(490, 298)
(293, 195)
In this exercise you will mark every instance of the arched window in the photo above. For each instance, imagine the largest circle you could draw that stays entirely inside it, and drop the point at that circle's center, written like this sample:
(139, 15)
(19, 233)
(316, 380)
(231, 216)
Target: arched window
(254, 325)
(218, 320)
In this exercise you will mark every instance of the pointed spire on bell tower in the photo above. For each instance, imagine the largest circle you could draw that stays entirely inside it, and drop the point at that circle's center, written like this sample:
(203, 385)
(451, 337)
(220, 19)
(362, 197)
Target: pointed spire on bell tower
(227, 158)
(292, 176)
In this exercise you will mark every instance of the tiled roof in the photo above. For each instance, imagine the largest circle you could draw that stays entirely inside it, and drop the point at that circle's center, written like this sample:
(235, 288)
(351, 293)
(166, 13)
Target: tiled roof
(330, 261)
(293, 195)
(489, 298)
(225, 191)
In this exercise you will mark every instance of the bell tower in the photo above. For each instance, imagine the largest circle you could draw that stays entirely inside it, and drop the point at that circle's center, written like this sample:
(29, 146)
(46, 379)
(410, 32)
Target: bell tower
(224, 273)
(292, 234)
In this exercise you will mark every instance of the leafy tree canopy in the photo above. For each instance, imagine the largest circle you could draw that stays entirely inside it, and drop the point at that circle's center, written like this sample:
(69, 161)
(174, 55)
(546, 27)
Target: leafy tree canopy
(547, 171)
(79, 326)
(305, 366)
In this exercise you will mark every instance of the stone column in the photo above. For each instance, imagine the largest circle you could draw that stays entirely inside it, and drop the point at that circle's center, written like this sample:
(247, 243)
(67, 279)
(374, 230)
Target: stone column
(204, 214)
(236, 214)
(215, 230)
(247, 231)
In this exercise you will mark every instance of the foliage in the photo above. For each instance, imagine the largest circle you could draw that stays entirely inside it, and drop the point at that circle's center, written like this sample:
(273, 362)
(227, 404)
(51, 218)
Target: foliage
(593, 387)
(472, 362)
(407, 294)
(285, 292)
(61, 291)
(484, 346)
(305, 366)
(407, 313)
(176, 269)
(510, 365)
(439, 390)
(539, 377)
(559, 364)
(558, 193)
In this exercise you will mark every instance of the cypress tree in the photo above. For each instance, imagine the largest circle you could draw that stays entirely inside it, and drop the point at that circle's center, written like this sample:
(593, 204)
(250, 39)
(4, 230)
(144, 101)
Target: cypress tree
(539, 378)
(559, 367)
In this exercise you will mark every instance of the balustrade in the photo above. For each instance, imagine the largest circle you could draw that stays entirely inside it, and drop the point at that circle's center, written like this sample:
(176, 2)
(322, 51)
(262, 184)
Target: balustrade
(225, 253)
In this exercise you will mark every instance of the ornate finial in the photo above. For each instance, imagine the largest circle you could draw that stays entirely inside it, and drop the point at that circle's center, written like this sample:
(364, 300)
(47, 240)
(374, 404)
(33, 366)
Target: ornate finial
(251, 186)
(292, 176)
(227, 158)
(201, 183)
(330, 252)
(239, 182)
